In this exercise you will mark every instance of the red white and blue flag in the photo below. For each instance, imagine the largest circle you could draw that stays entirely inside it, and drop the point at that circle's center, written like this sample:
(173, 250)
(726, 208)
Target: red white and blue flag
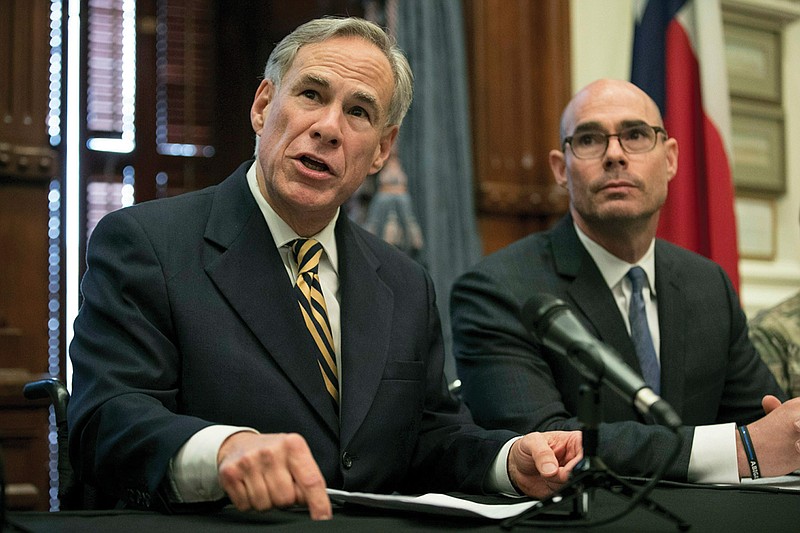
(679, 60)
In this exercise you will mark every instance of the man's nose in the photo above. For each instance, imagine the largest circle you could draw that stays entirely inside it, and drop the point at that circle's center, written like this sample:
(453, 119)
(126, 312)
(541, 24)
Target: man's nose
(614, 155)
(328, 126)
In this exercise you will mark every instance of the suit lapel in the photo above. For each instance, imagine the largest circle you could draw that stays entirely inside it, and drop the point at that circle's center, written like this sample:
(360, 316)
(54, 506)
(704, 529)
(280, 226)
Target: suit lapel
(672, 313)
(251, 276)
(366, 319)
(589, 292)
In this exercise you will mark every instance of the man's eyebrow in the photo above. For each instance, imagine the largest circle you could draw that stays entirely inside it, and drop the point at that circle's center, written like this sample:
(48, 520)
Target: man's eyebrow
(588, 126)
(313, 79)
(367, 98)
(596, 126)
(632, 123)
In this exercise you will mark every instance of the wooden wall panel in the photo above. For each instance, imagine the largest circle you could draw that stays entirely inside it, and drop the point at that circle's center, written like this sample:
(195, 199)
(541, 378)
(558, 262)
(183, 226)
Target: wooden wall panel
(23, 436)
(23, 276)
(520, 81)
(27, 164)
(24, 65)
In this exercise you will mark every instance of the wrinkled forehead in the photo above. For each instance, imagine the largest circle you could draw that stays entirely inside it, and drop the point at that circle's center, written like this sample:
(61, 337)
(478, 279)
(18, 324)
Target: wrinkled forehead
(349, 58)
(609, 105)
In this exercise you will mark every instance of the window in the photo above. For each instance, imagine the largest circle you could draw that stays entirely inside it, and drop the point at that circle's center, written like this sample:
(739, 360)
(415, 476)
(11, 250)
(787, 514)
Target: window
(111, 75)
(184, 113)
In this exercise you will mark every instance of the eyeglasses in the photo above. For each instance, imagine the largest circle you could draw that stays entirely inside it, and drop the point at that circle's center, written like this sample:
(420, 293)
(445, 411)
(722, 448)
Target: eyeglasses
(633, 140)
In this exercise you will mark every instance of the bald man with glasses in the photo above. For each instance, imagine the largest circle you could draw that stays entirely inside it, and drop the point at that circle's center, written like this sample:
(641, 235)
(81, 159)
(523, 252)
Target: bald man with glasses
(673, 315)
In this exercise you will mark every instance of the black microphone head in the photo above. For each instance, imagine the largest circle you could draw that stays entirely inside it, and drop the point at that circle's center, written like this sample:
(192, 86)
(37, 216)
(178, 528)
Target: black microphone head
(536, 312)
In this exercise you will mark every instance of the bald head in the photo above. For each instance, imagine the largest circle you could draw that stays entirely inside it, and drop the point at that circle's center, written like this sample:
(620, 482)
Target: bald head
(606, 93)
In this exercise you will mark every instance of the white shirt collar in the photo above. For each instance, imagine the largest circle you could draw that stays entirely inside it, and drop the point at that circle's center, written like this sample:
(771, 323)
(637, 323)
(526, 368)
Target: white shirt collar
(282, 233)
(612, 267)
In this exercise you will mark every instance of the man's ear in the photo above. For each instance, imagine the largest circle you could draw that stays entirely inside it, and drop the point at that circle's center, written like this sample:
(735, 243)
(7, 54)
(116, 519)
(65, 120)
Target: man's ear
(671, 152)
(558, 165)
(262, 99)
(384, 148)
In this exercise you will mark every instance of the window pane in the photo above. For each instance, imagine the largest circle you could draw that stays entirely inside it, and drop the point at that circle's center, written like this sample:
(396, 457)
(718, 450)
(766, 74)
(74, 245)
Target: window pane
(111, 71)
(185, 73)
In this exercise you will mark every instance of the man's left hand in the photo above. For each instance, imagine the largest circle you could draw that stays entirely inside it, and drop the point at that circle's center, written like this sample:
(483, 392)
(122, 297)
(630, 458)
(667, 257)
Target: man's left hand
(540, 463)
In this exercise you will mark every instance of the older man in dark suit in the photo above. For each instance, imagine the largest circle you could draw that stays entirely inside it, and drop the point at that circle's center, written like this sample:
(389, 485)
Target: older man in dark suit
(249, 341)
(616, 162)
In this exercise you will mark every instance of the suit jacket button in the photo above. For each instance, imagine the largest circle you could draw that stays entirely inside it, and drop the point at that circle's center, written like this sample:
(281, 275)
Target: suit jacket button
(347, 460)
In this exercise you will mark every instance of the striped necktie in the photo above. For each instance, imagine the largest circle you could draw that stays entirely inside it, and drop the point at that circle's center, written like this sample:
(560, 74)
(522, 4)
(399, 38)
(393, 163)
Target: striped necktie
(307, 253)
(640, 331)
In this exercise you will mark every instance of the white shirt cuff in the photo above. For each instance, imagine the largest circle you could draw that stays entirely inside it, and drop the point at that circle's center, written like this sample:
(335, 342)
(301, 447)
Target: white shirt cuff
(713, 457)
(497, 478)
(193, 469)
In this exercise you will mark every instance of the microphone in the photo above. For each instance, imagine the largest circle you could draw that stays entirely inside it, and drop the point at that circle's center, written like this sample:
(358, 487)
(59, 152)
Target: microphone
(554, 325)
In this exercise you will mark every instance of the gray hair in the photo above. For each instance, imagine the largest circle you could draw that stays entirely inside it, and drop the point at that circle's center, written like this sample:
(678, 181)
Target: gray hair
(318, 30)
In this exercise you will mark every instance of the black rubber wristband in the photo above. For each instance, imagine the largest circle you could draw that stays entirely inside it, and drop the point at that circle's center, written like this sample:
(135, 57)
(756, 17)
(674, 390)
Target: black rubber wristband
(750, 452)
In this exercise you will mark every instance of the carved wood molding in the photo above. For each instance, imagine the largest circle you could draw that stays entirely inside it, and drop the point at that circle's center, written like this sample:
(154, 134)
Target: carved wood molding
(500, 197)
(27, 162)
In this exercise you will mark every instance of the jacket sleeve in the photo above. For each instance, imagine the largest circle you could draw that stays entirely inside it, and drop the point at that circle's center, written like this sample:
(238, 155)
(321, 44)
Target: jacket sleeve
(451, 447)
(122, 416)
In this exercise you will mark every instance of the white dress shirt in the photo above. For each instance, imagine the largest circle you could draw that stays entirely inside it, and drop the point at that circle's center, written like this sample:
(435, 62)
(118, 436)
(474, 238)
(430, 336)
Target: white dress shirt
(713, 456)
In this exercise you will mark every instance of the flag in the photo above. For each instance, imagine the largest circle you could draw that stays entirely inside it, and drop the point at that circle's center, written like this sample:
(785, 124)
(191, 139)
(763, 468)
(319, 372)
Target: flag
(679, 60)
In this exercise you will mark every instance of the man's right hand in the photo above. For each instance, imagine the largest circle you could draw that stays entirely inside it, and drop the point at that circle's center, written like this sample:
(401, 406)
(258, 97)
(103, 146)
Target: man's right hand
(262, 471)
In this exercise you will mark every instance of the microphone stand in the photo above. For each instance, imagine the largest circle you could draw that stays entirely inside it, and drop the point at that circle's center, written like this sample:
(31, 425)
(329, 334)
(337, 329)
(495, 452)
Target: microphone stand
(592, 473)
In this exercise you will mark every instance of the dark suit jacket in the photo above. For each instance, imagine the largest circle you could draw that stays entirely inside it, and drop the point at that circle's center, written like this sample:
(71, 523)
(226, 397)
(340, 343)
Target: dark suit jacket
(189, 320)
(710, 372)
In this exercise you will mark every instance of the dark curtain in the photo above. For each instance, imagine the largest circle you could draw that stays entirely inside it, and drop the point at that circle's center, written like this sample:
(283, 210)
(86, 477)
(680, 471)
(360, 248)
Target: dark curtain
(435, 144)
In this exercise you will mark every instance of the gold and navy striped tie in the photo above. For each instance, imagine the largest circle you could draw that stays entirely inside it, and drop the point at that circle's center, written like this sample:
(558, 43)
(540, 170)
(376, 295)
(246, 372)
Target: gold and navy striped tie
(307, 253)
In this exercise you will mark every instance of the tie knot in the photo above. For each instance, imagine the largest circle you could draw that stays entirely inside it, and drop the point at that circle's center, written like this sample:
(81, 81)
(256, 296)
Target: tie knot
(638, 278)
(307, 253)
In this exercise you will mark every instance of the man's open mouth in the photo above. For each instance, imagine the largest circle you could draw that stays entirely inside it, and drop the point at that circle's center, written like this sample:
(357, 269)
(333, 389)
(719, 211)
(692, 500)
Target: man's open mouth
(313, 164)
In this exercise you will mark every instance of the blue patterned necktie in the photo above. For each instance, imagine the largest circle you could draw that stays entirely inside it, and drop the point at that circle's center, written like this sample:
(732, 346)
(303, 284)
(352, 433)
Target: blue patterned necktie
(307, 253)
(640, 331)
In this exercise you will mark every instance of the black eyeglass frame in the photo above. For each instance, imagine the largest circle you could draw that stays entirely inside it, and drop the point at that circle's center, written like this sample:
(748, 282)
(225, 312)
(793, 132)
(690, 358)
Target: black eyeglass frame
(656, 130)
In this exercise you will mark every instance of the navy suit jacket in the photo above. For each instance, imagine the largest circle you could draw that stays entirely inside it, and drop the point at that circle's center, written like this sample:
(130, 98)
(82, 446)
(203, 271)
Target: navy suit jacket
(189, 320)
(710, 372)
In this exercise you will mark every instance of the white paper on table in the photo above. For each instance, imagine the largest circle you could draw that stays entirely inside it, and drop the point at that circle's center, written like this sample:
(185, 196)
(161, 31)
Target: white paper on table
(441, 504)
(790, 482)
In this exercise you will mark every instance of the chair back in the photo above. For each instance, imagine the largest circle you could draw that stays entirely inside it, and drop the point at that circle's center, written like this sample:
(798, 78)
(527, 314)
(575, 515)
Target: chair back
(71, 493)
